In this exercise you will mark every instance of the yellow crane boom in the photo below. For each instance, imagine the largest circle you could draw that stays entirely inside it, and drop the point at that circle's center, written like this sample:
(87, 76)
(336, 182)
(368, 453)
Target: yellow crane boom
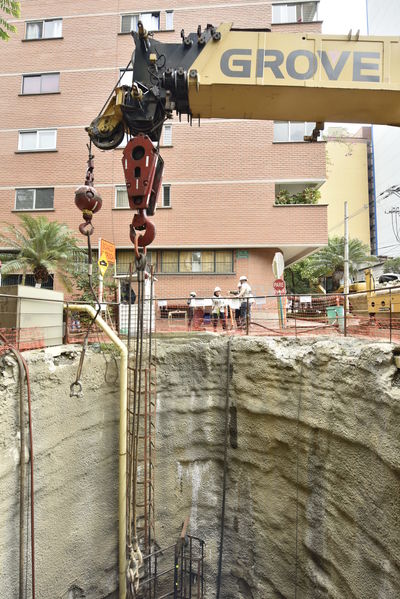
(254, 74)
(300, 77)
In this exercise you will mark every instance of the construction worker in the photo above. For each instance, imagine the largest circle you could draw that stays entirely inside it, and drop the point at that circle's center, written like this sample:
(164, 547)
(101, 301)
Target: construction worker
(245, 296)
(191, 303)
(218, 309)
(235, 304)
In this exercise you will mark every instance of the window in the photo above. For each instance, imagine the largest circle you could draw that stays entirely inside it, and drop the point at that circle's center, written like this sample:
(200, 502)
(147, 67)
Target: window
(298, 12)
(292, 130)
(166, 196)
(196, 261)
(121, 197)
(36, 141)
(167, 135)
(36, 30)
(150, 20)
(47, 83)
(169, 19)
(41, 198)
(126, 77)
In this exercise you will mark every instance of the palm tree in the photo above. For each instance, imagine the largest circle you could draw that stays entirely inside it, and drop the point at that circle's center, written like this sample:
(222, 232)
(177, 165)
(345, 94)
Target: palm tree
(329, 261)
(12, 8)
(42, 247)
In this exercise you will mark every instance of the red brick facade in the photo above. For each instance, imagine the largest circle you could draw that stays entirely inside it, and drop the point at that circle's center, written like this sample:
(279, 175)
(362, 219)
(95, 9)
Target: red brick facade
(222, 175)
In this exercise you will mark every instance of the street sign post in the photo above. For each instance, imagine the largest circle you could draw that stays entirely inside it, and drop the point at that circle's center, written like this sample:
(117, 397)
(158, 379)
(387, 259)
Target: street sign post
(103, 264)
(107, 248)
(279, 286)
(280, 290)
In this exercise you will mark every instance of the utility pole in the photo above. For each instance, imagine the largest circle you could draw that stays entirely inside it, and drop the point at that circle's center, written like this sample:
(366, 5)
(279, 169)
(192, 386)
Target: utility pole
(346, 259)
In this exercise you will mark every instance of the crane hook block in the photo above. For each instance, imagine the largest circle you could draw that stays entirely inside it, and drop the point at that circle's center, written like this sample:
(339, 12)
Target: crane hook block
(87, 198)
(143, 168)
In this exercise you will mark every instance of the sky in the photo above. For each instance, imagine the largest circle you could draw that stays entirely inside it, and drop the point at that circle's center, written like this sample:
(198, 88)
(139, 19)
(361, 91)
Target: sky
(339, 16)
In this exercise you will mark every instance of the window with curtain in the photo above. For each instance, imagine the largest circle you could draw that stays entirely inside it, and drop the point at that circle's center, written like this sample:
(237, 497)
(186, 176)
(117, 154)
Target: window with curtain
(295, 12)
(36, 141)
(48, 83)
(121, 197)
(169, 261)
(41, 198)
(150, 20)
(196, 261)
(291, 130)
(46, 29)
(167, 135)
(169, 19)
(224, 261)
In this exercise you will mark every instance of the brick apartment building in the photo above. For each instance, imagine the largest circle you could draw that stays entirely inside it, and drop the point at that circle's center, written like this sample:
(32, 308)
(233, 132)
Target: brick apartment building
(217, 217)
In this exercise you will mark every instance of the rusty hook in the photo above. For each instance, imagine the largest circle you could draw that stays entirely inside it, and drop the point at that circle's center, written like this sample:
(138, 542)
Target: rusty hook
(89, 227)
(140, 222)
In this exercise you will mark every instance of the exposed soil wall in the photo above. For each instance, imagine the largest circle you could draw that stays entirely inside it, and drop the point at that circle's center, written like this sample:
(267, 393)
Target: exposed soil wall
(76, 477)
(313, 480)
(313, 456)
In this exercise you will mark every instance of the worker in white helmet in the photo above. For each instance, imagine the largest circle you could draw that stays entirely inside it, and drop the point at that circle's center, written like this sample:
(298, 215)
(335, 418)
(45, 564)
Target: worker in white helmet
(245, 295)
(191, 302)
(218, 309)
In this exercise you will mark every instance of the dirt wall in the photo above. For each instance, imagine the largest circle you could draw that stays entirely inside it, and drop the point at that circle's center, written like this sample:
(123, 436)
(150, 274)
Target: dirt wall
(313, 479)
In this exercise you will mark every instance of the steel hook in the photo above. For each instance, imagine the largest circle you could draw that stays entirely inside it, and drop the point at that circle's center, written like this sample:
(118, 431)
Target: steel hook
(73, 392)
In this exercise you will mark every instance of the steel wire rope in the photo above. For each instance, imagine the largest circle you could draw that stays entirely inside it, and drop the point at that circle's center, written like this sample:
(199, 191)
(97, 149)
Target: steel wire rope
(226, 434)
(140, 266)
(297, 481)
(128, 421)
(23, 370)
(88, 233)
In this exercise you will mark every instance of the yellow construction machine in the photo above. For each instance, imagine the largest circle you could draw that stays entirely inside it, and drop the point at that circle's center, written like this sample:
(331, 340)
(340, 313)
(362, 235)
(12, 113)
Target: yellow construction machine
(380, 301)
(233, 73)
(227, 72)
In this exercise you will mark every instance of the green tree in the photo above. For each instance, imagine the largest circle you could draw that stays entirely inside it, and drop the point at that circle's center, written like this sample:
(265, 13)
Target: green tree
(40, 247)
(392, 265)
(81, 280)
(302, 277)
(329, 261)
(305, 275)
(9, 7)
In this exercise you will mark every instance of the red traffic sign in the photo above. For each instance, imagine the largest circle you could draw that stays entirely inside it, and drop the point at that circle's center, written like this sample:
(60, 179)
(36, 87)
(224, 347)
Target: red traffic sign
(279, 285)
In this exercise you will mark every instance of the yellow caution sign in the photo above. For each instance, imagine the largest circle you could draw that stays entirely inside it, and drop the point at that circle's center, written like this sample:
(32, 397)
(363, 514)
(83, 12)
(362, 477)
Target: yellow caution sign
(103, 264)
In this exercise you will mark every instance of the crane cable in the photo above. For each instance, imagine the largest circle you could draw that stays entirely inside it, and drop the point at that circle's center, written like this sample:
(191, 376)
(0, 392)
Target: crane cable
(297, 482)
(24, 374)
(226, 434)
(76, 386)
(134, 552)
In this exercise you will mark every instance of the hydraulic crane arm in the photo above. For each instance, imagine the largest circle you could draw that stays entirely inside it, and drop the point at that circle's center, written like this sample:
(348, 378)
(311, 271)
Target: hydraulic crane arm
(254, 74)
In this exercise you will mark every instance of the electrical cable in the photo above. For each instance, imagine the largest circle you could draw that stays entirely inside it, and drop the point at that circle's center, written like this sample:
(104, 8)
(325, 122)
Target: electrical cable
(23, 370)
(297, 481)
(226, 434)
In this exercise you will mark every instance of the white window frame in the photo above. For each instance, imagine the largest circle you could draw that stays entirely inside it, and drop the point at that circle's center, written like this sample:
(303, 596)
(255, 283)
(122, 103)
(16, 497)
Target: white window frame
(31, 75)
(141, 17)
(169, 16)
(43, 21)
(33, 209)
(38, 134)
(166, 185)
(308, 127)
(286, 4)
(167, 136)
(121, 187)
(126, 73)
